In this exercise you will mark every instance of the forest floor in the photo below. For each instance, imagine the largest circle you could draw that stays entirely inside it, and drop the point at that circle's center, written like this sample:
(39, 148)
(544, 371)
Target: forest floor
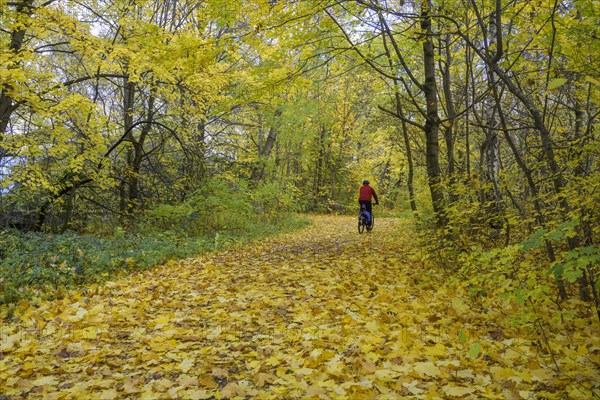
(320, 313)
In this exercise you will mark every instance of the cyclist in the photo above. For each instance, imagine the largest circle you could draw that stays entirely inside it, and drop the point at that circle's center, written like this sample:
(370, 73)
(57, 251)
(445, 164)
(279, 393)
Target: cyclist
(366, 193)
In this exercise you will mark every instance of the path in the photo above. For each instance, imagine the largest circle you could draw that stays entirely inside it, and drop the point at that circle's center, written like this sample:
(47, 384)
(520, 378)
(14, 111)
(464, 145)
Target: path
(322, 313)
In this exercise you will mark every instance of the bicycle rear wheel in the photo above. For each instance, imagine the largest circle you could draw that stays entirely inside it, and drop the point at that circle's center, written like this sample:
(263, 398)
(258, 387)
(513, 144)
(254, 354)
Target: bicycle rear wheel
(370, 227)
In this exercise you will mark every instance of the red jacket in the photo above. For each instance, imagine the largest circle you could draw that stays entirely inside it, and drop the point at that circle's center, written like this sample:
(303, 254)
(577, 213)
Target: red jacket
(366, 192)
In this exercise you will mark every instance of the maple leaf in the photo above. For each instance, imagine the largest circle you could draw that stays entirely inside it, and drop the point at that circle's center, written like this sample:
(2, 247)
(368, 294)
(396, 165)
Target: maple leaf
(46, 380)
(426, 369)
(8, 343)
(304, 371)
(458, 391)
(132, 385)
(186, 364)
(261, 379)
(199, 394)
(207, 381)
(386, 375)
(108, 394)
(220, 372)
(413, 387)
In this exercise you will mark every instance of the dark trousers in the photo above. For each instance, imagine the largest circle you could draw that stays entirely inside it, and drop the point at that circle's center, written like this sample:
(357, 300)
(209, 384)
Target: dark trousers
(367, 204)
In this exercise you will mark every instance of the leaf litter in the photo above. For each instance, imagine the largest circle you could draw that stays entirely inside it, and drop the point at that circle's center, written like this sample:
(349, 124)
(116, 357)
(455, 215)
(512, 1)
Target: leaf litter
(323, 313)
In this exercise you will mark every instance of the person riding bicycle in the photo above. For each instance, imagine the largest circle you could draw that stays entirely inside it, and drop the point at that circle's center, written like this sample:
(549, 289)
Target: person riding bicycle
(365, 195)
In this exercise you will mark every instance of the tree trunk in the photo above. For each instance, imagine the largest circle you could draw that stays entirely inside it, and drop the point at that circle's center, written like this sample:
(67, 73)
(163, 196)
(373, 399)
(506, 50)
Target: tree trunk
(538, 121)
(432, 120)
(138, 157)
(320, 165)
(264, 151)
(409, 158)
(451, 112)
(586, 229)
(68, 211)
(43, 212)
(128, 110)
(490, 150)
(7, 105)
(468, 74)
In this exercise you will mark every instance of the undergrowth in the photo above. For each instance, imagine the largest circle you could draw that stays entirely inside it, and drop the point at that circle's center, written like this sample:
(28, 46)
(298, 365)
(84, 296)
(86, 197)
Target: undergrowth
(40, 265)
(514, 288)
(519, 273)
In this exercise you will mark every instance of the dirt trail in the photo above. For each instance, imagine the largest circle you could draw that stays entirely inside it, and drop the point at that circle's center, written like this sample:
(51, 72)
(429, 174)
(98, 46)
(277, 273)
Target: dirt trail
(321, 313)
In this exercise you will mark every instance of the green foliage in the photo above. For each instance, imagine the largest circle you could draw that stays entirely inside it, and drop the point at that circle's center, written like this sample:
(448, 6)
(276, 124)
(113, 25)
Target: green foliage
(519, 276)
(223, 204)
(537, 239)
(274, 201)
(40, 262)
(574, 263)
(570, 265)
(474, 350)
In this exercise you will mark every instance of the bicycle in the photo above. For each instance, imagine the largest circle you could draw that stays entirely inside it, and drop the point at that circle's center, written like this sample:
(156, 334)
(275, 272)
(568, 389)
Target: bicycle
(365, 221)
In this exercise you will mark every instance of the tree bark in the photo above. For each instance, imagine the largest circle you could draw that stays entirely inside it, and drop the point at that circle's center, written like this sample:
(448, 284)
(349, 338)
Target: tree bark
(409, 158)
(7, 105)
(432, 120)
(449, 101)
(264, 150)
(46, 205)
(128, 110)
(490, 150)
(138, 157)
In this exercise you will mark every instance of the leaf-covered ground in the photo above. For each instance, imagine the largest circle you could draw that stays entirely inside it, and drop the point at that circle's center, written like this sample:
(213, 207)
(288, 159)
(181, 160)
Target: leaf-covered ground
(321, 313)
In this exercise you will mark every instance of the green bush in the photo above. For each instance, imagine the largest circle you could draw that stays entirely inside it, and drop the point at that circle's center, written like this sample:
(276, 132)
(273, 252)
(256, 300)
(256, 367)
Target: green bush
(224, 205)
(273, 201)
